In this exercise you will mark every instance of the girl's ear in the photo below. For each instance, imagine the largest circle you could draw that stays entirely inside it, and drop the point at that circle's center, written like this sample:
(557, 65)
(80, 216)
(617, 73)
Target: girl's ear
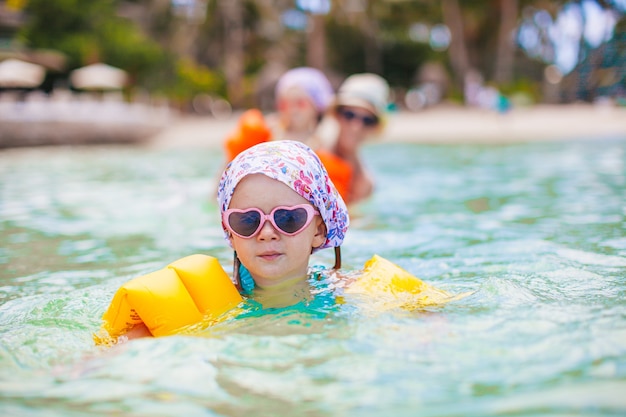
(320, 232)
(230, 236)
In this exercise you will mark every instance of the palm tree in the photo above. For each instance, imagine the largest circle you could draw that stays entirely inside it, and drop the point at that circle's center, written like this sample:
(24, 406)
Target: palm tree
(458, 55)
(505, 53)
(232, 15)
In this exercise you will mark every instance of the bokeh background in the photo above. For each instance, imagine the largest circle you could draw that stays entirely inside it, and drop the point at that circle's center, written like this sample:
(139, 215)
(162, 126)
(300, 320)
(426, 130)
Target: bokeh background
(213, 56)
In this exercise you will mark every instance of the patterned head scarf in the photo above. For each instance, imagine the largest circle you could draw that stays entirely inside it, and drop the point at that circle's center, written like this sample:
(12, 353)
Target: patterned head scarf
(312, 81)
(296, 165)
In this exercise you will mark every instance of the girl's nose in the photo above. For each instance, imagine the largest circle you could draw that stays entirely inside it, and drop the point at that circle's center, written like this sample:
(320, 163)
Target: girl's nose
(268, 232)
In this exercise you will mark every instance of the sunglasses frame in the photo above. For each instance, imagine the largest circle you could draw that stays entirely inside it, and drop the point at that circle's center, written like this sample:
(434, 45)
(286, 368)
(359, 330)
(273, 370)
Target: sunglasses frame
(310, 211)
(349, 115)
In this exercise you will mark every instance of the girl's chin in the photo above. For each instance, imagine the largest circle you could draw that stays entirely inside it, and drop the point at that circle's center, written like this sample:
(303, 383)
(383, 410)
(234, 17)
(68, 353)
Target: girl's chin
(269, 282)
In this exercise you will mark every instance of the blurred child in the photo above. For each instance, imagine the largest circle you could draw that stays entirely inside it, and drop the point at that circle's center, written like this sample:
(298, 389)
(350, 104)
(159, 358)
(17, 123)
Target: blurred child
(302, 96)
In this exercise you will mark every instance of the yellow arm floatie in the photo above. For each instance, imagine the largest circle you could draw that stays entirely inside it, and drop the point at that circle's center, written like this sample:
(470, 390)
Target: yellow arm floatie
(384, 285)
(166, 300)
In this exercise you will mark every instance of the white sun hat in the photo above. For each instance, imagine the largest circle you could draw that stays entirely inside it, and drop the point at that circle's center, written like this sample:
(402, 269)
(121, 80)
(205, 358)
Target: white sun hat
(366, 90)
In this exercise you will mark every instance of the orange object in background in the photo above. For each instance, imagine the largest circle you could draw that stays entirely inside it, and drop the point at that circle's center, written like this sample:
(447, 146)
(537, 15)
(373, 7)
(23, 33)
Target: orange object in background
(251, 130)
(339, 171)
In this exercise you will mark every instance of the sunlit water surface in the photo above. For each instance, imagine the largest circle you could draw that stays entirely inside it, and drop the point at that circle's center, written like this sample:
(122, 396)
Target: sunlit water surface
(537, 231)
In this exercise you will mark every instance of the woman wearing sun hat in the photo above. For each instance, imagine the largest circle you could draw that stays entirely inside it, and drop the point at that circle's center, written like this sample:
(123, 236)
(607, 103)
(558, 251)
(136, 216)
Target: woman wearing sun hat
(359, 108)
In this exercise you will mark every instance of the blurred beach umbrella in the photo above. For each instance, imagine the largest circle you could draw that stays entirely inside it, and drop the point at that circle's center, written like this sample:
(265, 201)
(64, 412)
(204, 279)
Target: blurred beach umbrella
(99, 77)
(17, 73)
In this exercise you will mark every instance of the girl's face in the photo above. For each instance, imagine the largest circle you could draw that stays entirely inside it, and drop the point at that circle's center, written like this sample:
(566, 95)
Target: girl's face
(271, 257)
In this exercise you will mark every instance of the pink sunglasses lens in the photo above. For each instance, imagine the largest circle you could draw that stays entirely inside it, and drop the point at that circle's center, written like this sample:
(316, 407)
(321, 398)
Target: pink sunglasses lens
(290, 220)
(246, 223)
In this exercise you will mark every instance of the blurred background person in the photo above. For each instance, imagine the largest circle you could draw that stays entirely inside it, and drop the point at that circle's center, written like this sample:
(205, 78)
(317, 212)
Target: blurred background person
(359, 109)
(303, 95)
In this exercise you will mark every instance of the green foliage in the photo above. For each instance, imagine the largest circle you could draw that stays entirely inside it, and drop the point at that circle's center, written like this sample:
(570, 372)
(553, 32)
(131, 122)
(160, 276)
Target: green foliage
(124, 46)
(401, 61)
(395, 18)
(190, 79)
(87, 32)
(63, 25)
(345, 47)
(401, 57)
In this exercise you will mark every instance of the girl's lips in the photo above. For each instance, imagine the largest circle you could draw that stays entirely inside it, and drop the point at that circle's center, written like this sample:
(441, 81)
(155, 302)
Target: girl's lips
(269, 256)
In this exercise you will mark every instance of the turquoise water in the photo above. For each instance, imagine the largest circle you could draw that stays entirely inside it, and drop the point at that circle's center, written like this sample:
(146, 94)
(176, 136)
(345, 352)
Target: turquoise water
(537, 231)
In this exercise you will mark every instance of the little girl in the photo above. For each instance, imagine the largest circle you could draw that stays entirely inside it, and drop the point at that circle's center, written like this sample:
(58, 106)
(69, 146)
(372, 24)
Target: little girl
(278, 206)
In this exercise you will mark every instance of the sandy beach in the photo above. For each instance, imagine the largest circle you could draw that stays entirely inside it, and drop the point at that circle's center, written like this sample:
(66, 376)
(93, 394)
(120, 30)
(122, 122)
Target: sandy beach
(444, 125)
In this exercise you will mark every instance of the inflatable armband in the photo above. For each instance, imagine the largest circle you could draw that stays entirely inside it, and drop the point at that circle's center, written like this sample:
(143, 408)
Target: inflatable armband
(178, 295)
(339, 171)
(385, 286)
(251, 130)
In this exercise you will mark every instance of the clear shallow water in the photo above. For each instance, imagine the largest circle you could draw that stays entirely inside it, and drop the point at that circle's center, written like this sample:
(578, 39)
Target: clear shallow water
(537, 231)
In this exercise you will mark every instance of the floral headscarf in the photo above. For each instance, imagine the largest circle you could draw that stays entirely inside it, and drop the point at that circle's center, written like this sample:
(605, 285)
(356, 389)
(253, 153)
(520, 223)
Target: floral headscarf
(297, 166)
